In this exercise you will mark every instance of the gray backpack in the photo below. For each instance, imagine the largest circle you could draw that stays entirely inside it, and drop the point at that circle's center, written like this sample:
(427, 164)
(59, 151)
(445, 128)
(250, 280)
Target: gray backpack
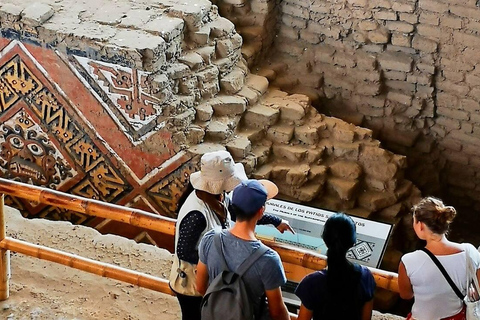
(227, 297)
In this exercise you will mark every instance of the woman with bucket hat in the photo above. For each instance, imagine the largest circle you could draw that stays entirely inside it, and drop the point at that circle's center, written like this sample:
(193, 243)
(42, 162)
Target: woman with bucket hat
(203, 210)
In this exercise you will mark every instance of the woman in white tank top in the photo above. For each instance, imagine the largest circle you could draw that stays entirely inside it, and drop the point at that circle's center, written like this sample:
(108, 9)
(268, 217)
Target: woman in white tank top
(420, 278)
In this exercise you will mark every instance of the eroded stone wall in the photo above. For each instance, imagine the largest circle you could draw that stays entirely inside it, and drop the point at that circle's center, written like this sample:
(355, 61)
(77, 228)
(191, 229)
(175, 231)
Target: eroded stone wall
(406, 69)
(123, 99)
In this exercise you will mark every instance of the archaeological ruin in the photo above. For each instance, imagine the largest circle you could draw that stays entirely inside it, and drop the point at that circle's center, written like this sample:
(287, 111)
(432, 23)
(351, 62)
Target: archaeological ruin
(358, 106)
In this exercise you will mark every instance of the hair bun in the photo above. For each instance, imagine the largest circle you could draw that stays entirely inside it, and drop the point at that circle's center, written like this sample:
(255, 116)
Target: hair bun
(449, 213)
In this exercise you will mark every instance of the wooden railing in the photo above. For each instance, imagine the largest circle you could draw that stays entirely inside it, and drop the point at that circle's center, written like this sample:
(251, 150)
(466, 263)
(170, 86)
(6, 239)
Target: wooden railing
(135, 217)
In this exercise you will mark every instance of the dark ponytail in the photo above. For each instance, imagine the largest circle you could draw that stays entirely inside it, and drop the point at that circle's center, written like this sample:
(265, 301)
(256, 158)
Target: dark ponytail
(343, 277)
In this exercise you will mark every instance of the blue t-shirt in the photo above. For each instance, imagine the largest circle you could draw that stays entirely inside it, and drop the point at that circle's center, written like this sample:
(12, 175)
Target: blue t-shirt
(265, 274)
(312, 290)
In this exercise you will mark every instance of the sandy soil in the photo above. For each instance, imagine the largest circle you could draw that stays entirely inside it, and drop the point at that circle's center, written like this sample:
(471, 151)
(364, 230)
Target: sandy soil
(44, 290)
(41, 290)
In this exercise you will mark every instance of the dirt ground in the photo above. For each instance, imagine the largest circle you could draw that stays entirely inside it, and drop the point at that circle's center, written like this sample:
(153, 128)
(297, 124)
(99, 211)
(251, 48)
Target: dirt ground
(41, 290)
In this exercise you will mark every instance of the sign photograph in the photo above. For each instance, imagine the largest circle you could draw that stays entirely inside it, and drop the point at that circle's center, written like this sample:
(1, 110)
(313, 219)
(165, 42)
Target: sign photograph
(308, 222)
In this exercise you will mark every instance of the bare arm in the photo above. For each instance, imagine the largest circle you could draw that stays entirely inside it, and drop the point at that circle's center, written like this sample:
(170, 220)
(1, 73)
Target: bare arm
(404, 286)
(304, 313)
(202, 278)
(367, 310)
(276, 306)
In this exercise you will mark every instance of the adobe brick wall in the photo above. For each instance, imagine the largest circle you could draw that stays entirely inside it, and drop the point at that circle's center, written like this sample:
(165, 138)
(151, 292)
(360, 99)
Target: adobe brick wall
(405, 69)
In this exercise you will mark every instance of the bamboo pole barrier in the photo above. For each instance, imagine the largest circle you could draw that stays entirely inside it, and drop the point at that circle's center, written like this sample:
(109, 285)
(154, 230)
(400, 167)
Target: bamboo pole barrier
(135, 217)
(297, 256)
(384, 279)
(4, 256)
(88, 265)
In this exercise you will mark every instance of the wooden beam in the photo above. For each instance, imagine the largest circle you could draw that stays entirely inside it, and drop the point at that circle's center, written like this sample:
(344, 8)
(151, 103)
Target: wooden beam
(135, 217)
(4, 256)
(88, 265)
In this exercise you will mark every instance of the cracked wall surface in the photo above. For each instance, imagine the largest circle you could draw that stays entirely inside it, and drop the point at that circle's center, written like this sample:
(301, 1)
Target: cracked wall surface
(405, 69)
(118, 101)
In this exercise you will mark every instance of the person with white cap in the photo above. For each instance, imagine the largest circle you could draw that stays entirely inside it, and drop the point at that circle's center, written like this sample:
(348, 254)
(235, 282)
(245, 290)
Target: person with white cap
(206, 208)
(265, 276)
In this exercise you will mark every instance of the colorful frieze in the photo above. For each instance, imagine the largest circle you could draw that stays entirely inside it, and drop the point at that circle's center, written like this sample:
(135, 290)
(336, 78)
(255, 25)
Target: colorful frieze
(81, 126)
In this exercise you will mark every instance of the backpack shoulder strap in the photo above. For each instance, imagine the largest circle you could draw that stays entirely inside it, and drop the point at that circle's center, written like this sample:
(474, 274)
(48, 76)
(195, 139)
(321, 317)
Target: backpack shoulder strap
(251, 259)
(217, 241)
(444, 272)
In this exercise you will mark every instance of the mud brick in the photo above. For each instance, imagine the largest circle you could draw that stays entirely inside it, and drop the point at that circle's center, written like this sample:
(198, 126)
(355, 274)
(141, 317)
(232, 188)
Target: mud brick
(453, 113)
(400, 26)
(401, 39)
(166, 27)
(450, 144)
(290, 110)
(472, 80)
(224, 105)
(293, 153)
(473, 25)
(374, 200)
(344, 189)
(177, 70)
(379, 36)
(454, 65)
(295, 10)
(317, 173)
(135, 18)
(297, 175)
(433, 5)
(346, 151)
(309, 37)
(449, 86)
(263, 172)
(217, 131)
(251, 95)
(261, 116)
(429, 18)
(307, 192)
(402, 86)
(426, 67)
(201, 36)
(239, 148)
(385, 15)
(465, 12)
(365, 61)
(346, 170)
(208, 74)
(204, 112)
(464, 137)
(306, 134)
(395, 75)
(257, 83)
(424, 44)
(224, 48)
(358, 3)
(395, 61)
(368, 25)
(403, 6)
(409, 17)
(233, 82)
(420, 79)
(289, 33)
(36, 14)
(470, 105)
(294, 22)
(280, 133)
(430, 32)
(221, 27)
(192, 59)
(452, 22)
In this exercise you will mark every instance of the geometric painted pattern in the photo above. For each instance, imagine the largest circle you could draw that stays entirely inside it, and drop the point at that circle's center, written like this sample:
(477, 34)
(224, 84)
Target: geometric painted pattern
(126, 95)
(47, 140)
(361, 251)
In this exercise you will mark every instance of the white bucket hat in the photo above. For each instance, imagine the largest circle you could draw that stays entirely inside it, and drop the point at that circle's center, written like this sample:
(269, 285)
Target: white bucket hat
(218, 173)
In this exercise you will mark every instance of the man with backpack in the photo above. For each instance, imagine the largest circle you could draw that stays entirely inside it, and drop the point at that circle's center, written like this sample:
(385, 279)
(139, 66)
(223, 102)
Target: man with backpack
(237, 291)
